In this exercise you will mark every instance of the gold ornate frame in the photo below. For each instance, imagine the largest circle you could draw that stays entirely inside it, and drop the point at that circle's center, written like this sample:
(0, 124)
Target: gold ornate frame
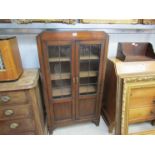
(129, 84)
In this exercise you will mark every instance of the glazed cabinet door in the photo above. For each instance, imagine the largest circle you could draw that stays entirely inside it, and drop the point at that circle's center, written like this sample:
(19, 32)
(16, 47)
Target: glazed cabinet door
(88, 75)
(59, 60)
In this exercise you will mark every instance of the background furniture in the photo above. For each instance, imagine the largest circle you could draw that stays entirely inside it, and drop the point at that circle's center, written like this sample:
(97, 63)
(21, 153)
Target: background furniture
(135, 51)
(128, 92)
(72, 71)
(138, 103)
(10, 60)
(21, 109)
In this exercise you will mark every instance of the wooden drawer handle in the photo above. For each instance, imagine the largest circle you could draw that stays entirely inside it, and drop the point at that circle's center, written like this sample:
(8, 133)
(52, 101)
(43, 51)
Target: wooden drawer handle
(8, 112)
(14, 125)
(74, 80)
(4, 99)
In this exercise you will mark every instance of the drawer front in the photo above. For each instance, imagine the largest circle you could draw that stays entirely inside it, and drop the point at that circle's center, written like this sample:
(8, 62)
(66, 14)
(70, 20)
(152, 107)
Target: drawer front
(140, 97)
(18, 97)
(16, 126)
(15, 112)
(141, 114)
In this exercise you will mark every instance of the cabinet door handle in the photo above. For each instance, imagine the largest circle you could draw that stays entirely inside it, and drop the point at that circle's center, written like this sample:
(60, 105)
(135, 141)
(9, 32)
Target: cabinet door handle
(4, 99)
(8, 112)
(14, 125)
(153, 101)
(74, 80)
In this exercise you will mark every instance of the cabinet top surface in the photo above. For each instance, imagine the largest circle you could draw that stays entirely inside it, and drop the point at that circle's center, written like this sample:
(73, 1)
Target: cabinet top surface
(133, 68)
(73, 35)
(27, 80)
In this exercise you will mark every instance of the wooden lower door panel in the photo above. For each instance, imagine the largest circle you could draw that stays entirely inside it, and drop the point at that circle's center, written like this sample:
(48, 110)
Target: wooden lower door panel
(141, 114)
(63, 111)
(87, 107)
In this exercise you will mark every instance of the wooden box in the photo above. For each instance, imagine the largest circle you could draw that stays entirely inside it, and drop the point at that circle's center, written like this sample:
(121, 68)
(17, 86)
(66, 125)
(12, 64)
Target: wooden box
(135, 51)
(10, 60)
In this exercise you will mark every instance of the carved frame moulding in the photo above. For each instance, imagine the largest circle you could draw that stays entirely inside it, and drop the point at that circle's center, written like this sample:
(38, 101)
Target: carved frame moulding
(28, 21)
(110, 21)
(129, 84)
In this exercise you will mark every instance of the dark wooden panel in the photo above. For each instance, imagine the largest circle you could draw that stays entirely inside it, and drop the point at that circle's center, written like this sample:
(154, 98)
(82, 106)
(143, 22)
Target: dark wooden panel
(109, 96)
(62, 111)
(87, 107)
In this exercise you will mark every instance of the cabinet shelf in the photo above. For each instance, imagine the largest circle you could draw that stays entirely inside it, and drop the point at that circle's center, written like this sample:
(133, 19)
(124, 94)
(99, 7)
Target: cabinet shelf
(67, 91)
(63, 59)
(57, 59)
(60, 76)
(61, 92)
(92, 57)
(88, 74)
(63, 76)
(87, 89)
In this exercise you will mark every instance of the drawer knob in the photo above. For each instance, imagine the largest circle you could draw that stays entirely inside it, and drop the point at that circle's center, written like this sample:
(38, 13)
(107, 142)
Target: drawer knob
(14, 125)
(4, 99)
(9, 112)
(153, 101)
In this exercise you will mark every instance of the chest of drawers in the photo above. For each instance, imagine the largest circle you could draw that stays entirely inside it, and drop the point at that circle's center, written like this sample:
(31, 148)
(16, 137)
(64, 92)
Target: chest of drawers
(21, 109)
(129, 94)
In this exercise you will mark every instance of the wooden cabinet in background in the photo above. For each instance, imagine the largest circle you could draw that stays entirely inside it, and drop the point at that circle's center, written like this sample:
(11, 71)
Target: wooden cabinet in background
(72, 71)
(129, 94)
(10, 60)
(21, 109)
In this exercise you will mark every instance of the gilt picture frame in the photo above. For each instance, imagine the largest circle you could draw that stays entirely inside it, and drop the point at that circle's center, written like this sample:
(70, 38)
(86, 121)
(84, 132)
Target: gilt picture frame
(130, 83)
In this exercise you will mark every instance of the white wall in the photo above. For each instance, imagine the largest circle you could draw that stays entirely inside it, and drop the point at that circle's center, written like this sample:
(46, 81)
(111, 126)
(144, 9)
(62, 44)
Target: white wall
(28, 50)
(29, 54)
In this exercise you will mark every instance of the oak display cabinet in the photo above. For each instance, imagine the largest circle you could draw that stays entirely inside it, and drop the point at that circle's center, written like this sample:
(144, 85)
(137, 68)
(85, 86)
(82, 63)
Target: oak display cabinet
(72, 70)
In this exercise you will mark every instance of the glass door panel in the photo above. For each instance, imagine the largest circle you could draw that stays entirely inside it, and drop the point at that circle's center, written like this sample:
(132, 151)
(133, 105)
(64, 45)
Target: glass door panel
(89, 57)
(60, 69)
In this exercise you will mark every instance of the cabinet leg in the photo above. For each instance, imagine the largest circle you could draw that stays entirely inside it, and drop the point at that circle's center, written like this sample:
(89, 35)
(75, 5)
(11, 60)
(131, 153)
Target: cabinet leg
(110, 129)
(153, 122)
(50, 129)
(96, 122)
